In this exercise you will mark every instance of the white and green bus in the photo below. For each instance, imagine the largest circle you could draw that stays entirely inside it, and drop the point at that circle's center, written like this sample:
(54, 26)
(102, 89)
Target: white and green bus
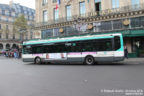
(87, 49)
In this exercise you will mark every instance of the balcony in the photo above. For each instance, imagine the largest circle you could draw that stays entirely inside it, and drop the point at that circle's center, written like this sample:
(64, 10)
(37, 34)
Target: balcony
(122, 12)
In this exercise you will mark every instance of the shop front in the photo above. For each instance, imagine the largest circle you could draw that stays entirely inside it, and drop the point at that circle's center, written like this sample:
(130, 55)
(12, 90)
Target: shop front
(134, 41)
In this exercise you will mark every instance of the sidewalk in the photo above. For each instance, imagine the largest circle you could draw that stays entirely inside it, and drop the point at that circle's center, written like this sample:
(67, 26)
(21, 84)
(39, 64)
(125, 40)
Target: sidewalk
(134, 61)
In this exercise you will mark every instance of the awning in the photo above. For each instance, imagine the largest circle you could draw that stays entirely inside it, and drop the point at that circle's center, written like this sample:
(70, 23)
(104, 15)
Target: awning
(133, 33)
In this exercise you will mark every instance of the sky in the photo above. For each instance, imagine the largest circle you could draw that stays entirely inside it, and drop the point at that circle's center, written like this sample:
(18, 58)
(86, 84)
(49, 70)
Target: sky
(28, 3)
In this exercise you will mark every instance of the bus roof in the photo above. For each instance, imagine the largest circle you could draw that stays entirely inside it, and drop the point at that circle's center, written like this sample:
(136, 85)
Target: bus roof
(67, 39)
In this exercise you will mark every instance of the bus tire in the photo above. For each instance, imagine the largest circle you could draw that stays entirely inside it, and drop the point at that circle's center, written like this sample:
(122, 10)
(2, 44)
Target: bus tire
(89, 60)
(37, 60)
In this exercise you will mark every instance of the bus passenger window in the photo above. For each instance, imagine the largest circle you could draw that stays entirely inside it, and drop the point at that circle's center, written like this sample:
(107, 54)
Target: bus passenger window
(108, 46)
(27, 50)
(117, 42)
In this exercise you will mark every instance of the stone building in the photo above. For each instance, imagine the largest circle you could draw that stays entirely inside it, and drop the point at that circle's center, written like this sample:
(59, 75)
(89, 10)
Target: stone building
(77, 17)
(8, 14)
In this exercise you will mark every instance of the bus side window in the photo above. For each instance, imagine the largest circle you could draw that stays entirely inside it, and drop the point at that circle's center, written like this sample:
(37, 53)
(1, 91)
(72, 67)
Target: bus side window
(103, 45)
(46, 49)
(109, 45)
(117, 44)
(68, 47)
(37, 49)
(27, 49)
(87, 46)
(78, 47)
(73, 46)
(61, 47)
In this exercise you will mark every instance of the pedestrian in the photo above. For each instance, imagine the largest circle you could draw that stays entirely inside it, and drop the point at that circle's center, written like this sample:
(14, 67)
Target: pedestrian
(6, 53)
(126, 52)
(15, 54)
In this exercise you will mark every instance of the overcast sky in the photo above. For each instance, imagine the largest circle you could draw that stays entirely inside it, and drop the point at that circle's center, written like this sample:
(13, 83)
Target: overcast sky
(28, 3)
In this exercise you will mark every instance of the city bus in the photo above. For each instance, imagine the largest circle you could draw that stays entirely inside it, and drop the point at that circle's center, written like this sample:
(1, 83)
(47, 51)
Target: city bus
(86, 49)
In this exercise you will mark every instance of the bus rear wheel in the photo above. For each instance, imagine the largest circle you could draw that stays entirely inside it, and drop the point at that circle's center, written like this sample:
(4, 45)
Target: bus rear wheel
(89, 60)
(38, 60)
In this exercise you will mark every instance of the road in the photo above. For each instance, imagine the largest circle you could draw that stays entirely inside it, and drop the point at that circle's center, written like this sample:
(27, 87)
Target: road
(27, 79)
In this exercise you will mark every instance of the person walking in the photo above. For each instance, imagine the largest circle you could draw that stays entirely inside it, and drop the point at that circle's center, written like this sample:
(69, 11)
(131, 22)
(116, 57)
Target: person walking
(15, 54)
(126, 52)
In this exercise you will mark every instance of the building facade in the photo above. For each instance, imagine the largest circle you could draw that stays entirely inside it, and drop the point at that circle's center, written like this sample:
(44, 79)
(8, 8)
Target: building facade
(8, 13)
(77, 17)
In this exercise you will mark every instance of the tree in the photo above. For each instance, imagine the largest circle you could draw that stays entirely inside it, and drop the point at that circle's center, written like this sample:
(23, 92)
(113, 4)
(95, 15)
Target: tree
(5, 30)
(20, 26)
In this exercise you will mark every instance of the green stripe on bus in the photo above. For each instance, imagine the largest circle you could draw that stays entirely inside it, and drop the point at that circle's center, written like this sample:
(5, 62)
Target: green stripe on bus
(64, 40)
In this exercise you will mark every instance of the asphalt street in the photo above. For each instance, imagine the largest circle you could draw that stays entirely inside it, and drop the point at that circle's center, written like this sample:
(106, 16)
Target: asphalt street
(27, 79)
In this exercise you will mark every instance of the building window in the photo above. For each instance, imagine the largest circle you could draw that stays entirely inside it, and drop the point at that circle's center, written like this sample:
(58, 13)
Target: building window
(13, 36)
(54, 1)
(3, 18)
(142, 21)
(68, 12)
(6, 35)
(117, 24)
(3, 12)
(97, 26)
(10, 14)
(47, 33)
(25, 12)
(56, 14)
(45, 2)
(135, 4)
(7, 13)
(135, 22)
(7, 46)
(97, 5)
(14, 46)
(82, 8)
(30, 17)
(45, 16)
(106, 26)
(115, 3)
(1, 46)
(56, 32)
(7, 20)
(13, 14)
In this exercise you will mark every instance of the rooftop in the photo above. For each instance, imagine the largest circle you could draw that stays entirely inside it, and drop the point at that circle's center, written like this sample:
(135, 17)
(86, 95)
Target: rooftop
(6, 7)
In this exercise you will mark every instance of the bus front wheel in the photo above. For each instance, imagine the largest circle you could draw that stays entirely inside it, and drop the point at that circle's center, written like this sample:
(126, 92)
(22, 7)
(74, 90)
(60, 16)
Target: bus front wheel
(38, 60)
(89, 60)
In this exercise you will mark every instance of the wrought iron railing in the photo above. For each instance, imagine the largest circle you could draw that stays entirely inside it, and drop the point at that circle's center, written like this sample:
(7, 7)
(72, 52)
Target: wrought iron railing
(124, 9)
